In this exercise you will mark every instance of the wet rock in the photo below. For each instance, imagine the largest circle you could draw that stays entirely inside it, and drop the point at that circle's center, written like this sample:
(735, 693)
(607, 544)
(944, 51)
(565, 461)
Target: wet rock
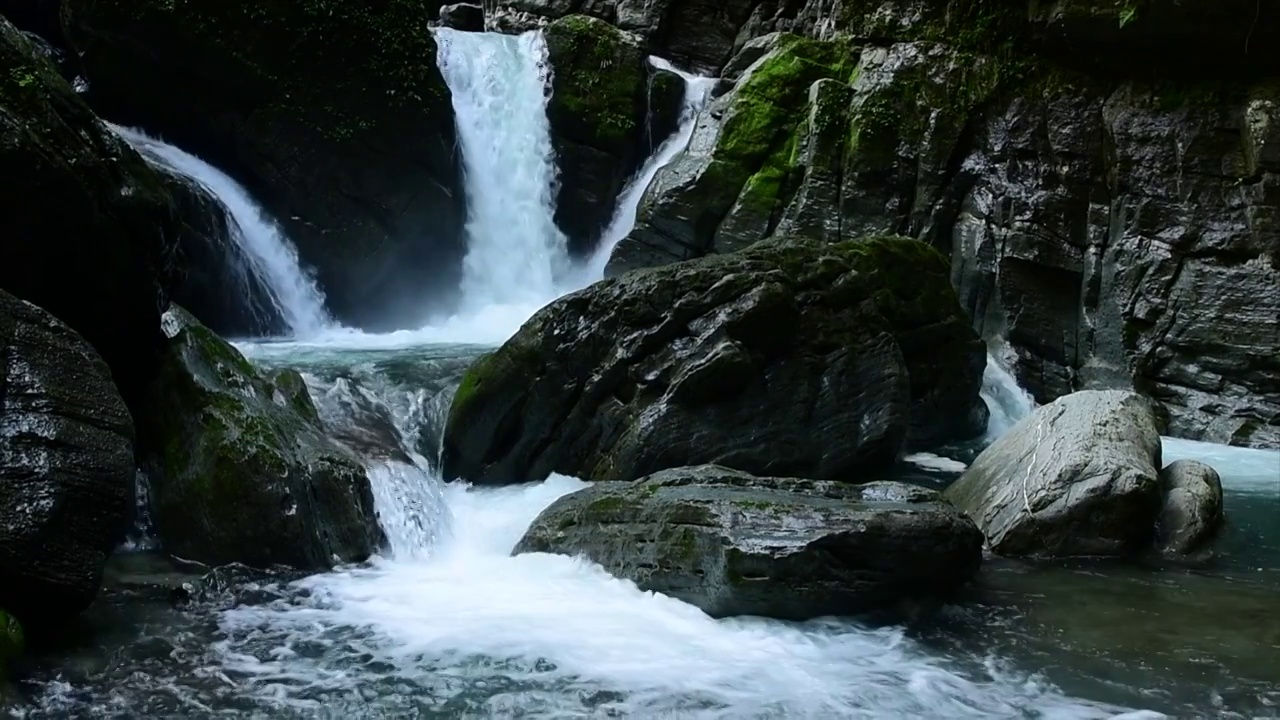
(216, 282)
(66, 466)
(12, 643)
(789, 358)
(735, 544)
(597, 111)
(1075, 478)
(1192, 510)
(463, 16)
(105, 227)
(347, 138)
(729, 186)
(241, 468)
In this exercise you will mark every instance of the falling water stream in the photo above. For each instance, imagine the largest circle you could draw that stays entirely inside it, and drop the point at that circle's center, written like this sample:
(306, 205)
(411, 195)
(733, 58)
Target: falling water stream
(446, 623)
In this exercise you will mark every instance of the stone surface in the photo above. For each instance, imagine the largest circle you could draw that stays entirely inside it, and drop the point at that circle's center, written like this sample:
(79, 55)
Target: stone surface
(1075, 478)
(734, 544)
(90, 231)
(789, 358)
(1191, 513)
(66, 467)
(241, 467)
(597, 112)
(333, 115)
(463, 16)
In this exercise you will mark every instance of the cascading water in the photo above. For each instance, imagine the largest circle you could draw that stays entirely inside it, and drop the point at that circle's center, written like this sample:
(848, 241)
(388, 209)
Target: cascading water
(1006, 400)
(447, 623)
(270, 255)
(696, 91)
(516, 256)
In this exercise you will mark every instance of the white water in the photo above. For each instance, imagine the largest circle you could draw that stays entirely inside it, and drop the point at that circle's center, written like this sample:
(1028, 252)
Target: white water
(1006, 400)
(516, 256)
(696, 91)
(271, 256)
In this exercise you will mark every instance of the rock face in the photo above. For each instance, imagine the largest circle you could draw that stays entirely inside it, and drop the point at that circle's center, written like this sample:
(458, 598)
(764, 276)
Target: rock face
(11, 641)
(347, 138)
(734, 544)
(215, 281)
(66, 467)
(789, 358)
(1076, 478)
(1116, 226)
(699, 34)
(597, 110)
(1192, 510)
(240, 465)
(463, 16)
(98, 249)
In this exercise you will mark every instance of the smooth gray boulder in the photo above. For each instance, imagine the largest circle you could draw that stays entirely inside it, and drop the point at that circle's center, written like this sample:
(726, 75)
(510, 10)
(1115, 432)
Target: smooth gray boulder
(66, 467)
(1191, 512)
(735, 544)
(1075, 478)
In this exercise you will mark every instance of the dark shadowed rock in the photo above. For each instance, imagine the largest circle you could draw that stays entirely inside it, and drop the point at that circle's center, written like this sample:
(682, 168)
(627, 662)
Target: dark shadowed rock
(463, 16)
(333, 114)
(1192, 510)
(789, 358)
(597, 111)
(66, 467)
(241, 468)
(735, 544)
(90, 231)
(1075, 478)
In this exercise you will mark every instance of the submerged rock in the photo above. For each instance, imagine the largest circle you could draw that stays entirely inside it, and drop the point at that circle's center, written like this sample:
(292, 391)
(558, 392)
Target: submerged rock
(333, 114)
(735, 544)
(597, 111)
(789, 358)
(241, 468)
(90, 231)
(1191, 513)
(66, 466)
(1075, 478)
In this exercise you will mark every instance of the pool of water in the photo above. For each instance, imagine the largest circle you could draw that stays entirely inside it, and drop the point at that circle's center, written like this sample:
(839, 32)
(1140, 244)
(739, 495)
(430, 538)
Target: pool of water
(446, 623)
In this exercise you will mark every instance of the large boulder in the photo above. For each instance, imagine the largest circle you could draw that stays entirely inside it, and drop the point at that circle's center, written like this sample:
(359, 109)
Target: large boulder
(90, 231)
(240, 465)
(334, 115)
(789, 358)
(735, 544)
(597, 111)
(1077, 477)
(1191, 512)
(66, 467)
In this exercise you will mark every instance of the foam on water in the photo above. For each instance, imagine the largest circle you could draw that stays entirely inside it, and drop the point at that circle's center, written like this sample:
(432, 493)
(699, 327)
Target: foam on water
(558, 637)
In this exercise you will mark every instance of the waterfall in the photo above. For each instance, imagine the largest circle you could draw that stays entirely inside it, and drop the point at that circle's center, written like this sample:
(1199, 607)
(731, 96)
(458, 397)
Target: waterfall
(696, 91)
(271, 257)
(1006, 400)
(515, 253)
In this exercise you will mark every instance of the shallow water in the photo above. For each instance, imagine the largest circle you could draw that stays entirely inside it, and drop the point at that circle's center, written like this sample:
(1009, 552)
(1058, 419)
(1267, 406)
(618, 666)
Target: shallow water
(447, 624)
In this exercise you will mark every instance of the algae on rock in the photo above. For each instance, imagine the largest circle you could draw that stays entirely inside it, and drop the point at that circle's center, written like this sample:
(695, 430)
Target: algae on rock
(241, 467)
(792, 357)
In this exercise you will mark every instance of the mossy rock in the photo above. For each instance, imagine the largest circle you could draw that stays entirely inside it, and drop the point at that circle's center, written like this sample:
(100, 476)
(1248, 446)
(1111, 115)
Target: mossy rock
(734, 544)
(105, 227)
(12, 644)
(792, 356)
(240, 465)
(597, 111)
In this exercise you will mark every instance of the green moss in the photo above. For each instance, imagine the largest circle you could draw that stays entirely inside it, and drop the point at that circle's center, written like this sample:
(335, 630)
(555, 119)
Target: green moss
(757, 143)
(599, 79)
(610, 505)
(12, 643)
(509, 366)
